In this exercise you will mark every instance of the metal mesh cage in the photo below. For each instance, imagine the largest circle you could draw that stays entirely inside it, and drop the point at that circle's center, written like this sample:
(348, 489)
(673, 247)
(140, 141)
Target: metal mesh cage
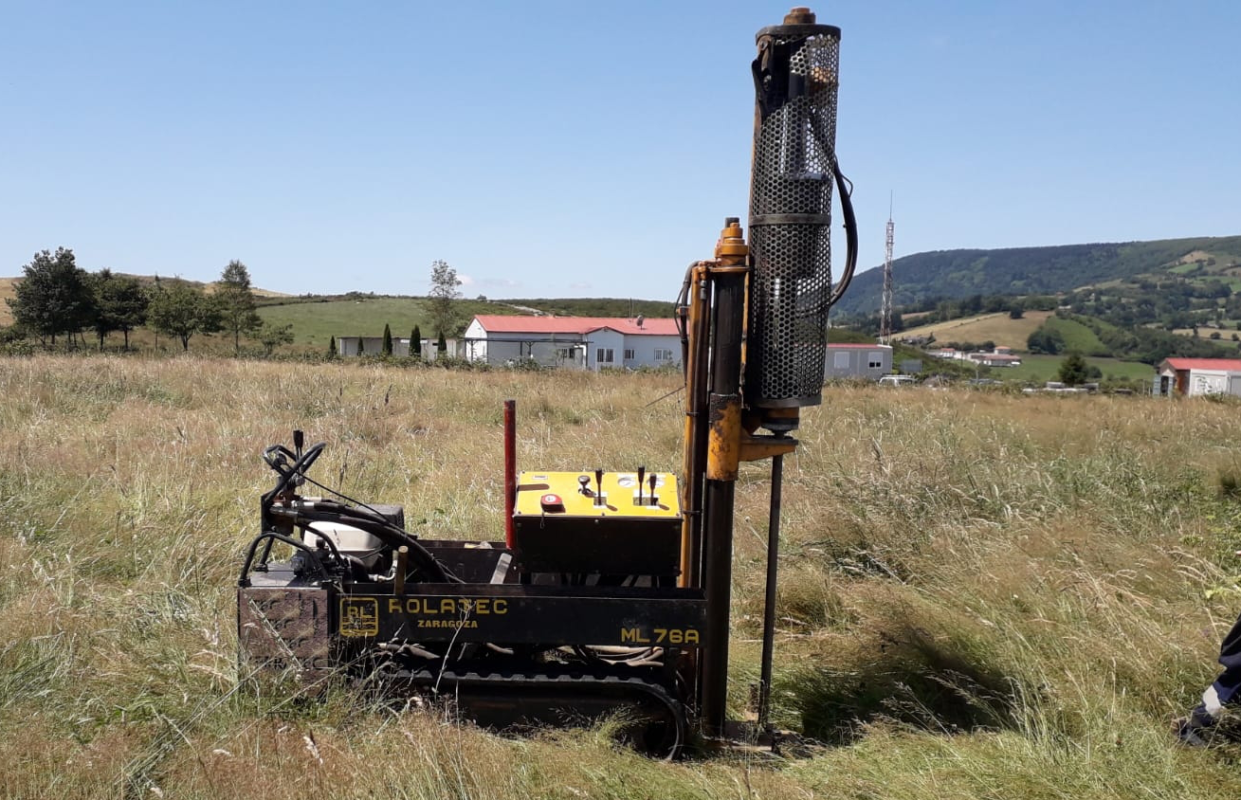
(790, 214)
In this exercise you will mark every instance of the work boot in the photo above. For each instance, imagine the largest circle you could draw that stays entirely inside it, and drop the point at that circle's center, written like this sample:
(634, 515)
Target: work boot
(1190, 733)
(1203, 729)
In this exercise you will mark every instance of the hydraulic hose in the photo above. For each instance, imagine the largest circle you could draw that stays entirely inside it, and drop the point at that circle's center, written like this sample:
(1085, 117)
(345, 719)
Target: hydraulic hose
(851, 237)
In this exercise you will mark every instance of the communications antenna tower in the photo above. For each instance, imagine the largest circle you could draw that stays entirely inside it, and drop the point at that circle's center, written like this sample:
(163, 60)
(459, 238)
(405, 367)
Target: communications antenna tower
(885, 323)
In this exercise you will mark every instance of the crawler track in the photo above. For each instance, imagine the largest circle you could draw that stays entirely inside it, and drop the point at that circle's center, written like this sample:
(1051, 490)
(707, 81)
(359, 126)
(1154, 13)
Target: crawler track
(557, 695)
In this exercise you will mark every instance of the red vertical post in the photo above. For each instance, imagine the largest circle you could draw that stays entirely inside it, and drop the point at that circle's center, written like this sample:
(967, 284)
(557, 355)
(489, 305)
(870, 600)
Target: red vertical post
(510, 468)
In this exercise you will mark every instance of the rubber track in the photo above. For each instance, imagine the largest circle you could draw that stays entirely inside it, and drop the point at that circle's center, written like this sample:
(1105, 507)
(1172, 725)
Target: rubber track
(569, 679)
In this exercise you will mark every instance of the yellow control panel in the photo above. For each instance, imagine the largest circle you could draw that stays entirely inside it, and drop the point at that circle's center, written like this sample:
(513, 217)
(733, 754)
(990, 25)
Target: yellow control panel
(598, 522)
(586, 494)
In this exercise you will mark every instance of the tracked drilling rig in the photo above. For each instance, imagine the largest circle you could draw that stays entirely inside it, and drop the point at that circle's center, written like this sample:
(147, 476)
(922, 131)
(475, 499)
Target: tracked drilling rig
(612, 588)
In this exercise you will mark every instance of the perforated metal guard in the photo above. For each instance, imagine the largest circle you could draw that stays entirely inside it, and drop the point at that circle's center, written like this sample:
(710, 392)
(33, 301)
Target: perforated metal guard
(790, 215)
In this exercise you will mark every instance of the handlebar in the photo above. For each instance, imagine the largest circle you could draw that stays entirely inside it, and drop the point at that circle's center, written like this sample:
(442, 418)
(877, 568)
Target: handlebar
(277, 457)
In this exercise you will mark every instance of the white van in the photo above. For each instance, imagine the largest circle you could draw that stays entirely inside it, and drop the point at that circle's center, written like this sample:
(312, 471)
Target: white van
(896, 380)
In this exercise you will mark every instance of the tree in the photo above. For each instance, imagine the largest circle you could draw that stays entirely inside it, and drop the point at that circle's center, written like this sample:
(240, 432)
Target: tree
(271, 336)
(120, 304)
(441, 346)
(386, 347)
(1073, 370)
(1016, 311)
(331, 347)
(360, 350)
(53, 297)
(183, 310)
(444, 283)
(236, 303)
(415, 342)
(1046, 340)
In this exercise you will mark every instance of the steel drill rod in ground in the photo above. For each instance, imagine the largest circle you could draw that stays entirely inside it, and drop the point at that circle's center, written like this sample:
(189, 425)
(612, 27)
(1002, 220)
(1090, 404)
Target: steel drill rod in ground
(769, 609)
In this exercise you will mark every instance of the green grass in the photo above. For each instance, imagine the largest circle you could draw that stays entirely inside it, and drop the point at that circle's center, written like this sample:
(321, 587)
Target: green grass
(1044, 368)
(983, 595)
(315, 322)
(1077, 337)
(998, 327)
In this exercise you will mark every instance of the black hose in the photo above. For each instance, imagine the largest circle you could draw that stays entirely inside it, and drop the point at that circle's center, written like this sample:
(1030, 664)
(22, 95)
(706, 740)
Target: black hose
(844, 187)
(682, 303)
(851, 237)
(388, 533)
(270, 536)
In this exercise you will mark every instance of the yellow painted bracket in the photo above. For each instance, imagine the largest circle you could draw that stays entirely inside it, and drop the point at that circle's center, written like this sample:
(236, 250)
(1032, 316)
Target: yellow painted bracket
(757, 448)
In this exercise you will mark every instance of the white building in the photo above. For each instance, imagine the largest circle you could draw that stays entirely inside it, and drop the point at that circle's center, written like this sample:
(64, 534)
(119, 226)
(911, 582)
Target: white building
(591, 343)
(1191, 377)
(858, 361)
(999, 357)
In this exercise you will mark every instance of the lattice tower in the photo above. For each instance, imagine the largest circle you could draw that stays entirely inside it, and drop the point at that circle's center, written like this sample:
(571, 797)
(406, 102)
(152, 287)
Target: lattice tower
(885, 324)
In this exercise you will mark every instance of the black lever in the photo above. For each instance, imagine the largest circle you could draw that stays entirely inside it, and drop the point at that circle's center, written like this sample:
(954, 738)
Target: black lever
(653, 480)
(299, 439)
(641, 477)
(598, 487)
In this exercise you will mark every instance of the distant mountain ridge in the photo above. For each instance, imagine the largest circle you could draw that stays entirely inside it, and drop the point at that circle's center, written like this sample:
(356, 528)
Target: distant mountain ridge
(954, 274)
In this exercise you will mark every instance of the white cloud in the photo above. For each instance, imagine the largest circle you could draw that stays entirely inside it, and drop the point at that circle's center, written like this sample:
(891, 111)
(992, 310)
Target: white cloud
(498, 283)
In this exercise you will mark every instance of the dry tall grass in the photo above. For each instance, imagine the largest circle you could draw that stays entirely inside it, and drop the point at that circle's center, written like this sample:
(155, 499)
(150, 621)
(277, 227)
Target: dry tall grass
(984, 595)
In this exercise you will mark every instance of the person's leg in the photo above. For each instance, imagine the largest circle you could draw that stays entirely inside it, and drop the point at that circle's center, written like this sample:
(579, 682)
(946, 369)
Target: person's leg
(1224, 692)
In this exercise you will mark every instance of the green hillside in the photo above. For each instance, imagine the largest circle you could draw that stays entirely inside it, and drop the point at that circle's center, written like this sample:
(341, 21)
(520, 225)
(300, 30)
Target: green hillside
(998, 328)
(1045, 270)
(316, 319)
(1076, 336)
(598, 307)
(1045, 368)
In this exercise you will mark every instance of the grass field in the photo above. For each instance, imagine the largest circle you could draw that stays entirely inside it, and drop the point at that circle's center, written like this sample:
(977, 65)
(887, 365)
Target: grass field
(314, 323)
(1044, 368)
(983, 595)
(998, 328)
(1077, 337)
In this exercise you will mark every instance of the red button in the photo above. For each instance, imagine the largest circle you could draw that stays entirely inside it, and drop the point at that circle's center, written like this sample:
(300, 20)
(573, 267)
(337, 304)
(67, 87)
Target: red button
(551, 501)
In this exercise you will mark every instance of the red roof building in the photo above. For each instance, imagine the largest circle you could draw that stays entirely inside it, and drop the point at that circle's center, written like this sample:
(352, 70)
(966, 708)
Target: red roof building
(1190, 377)
(591, 343)
(1179, 364)
(637, 326)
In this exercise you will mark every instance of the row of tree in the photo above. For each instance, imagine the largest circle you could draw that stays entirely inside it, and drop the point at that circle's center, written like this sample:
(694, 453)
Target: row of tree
(57, 298)
(386, 348)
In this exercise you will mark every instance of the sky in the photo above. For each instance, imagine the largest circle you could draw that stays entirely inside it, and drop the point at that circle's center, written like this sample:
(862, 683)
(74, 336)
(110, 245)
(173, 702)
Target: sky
(548, 149)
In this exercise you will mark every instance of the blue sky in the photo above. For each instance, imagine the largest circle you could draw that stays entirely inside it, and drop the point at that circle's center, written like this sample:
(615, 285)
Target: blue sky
(557, 149)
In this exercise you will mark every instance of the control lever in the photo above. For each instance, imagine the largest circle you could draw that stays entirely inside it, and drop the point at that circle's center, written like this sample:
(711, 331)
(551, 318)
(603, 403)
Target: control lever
(641, 477)
(299, 439)
(583, 485)
(599, 487)
(654, 479)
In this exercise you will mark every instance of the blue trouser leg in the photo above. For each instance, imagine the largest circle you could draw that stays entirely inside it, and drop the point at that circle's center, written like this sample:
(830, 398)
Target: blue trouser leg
(1227, 686)
(1226, 690)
